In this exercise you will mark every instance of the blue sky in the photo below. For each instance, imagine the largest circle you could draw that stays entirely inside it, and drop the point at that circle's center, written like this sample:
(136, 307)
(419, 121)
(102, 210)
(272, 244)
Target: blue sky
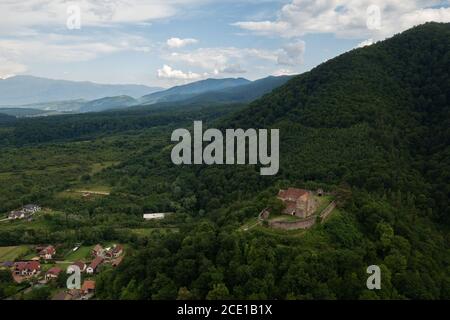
(170, 42)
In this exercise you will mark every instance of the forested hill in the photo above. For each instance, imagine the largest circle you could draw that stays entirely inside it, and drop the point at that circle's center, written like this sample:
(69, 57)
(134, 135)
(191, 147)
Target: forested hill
(383, 109)
(6, 119)
(371, 125)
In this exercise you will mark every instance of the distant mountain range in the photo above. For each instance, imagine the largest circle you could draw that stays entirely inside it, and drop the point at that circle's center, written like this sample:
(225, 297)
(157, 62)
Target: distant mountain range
(22, 90)
(244, 93)
(190, 90)
(229, 90)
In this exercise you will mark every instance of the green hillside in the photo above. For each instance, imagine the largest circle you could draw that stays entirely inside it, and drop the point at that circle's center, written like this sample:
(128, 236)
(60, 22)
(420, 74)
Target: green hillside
(371, 124)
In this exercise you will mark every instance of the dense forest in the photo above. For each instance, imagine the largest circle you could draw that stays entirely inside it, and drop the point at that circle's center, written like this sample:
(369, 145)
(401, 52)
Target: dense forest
(371, 126)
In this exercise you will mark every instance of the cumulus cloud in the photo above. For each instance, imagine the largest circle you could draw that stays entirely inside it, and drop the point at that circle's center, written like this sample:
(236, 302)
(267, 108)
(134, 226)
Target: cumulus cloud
(32, 13)
(179, 43)
(25, 25)
(167, 72)
(292, 54)
(58, 48)
(349, 18)
(218, 60)
(232, 60)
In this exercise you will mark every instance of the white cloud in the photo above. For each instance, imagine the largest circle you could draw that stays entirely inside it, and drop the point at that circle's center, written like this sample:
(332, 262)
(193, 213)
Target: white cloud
(292, 54)
(231, 60)
(221, 59)
(283, 72)
(32, 31)
(365, 43)
(233, 69)
(179, 43)
(167, 72)
(348, 18)
(57, 48)
(34, 13)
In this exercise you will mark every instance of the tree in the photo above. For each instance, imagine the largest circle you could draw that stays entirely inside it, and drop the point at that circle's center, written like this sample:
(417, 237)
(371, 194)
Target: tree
(130, 292)
(163, 288)
(184, 294)
(219, 292)
(275, 205)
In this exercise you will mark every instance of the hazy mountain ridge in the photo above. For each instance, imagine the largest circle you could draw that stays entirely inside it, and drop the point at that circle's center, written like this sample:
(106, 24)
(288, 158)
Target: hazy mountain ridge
(41, 90)
(209, 91)
(187, 91)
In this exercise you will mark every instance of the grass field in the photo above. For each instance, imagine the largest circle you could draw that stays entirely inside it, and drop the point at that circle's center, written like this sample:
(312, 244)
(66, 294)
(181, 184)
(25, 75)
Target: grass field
(98, 167)
(83, 253)
(12, 253)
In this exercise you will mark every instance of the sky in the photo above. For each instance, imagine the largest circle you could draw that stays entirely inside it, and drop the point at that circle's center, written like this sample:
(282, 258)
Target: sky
(170, 42)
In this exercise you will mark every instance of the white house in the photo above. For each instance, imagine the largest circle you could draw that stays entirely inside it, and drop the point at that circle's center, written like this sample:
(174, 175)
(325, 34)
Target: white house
(13, 215)
(31, 208)
(153, 216)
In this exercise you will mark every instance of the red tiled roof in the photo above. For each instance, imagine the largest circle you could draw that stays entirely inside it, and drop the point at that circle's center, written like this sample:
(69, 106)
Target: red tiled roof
(33, 265)
(292, 193)
(96, 262)
(54, 270)
(20, 266)
(88, 285)
(29, 265)
(48, 250)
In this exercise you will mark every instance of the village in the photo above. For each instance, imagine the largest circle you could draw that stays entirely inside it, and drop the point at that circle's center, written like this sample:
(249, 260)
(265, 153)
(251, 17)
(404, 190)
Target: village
(46, 266)
(37, 266)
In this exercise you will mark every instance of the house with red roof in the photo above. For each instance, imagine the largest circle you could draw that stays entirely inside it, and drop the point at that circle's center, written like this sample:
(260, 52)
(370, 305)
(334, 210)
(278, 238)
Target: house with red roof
(97, 250)
(298, 202)
(94, 265)
(53, 273)
(114, 252)
(88, 287)
(26, 268)
(47, 253)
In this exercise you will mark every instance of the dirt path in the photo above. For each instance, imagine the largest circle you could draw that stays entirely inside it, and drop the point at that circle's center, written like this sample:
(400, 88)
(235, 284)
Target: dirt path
(328, 210)
(252, 226)
(102, 193)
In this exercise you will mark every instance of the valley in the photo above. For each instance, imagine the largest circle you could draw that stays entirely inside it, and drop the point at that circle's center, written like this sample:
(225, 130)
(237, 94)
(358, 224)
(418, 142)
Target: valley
(364, 135)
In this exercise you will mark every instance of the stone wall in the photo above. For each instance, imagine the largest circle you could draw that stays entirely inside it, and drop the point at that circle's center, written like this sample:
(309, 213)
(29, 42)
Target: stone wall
(293, 225)
(302, 224)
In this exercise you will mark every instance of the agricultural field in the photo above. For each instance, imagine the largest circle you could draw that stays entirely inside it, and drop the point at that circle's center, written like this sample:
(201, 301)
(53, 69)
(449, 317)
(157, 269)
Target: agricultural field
(13, 252)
